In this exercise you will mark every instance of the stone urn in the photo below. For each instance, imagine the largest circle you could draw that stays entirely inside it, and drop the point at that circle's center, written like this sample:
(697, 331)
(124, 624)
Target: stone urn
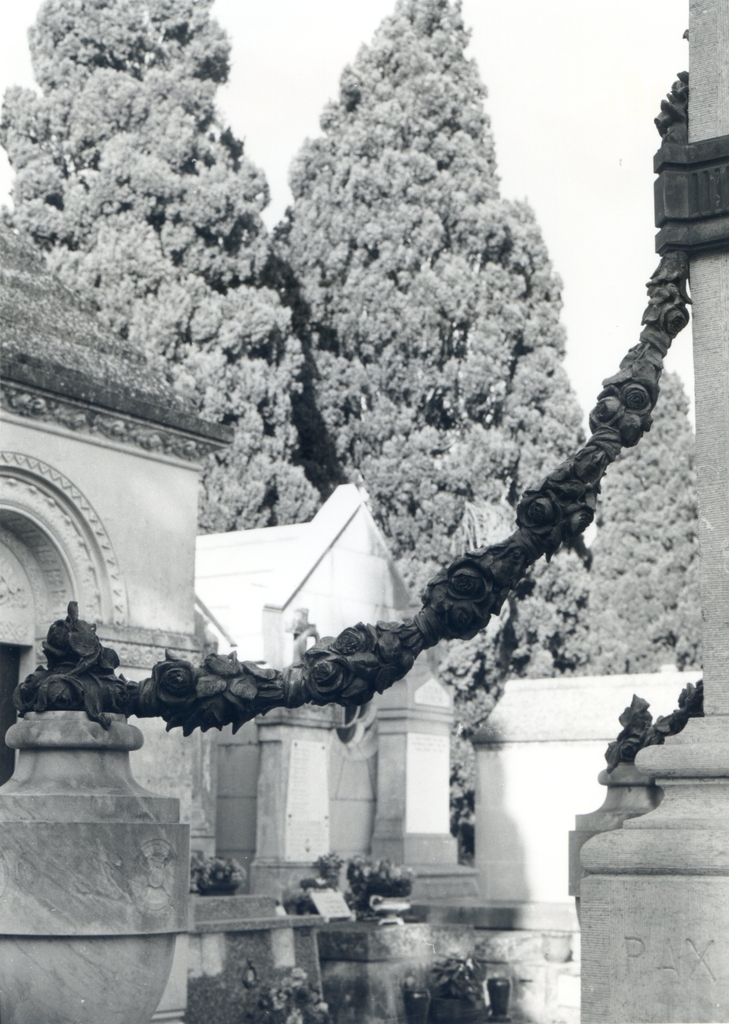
(94, 876)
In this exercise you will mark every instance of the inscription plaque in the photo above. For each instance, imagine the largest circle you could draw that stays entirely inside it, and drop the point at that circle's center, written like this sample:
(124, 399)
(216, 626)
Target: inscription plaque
(330, 904)
(306, 835)
(427, 769)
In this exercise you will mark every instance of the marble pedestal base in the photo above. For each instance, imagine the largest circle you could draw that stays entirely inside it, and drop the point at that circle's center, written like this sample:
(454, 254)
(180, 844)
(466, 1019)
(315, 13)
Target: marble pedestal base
(655, 899)
(655, 948)
(94, 877)
(63, 980)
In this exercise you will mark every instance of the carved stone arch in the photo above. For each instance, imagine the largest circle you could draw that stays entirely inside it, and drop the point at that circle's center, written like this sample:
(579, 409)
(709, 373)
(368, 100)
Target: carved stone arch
(48, 524)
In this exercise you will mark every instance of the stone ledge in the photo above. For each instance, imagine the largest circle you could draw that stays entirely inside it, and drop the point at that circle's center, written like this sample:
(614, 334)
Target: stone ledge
(369, 942)
(498, 915)
(257, 924)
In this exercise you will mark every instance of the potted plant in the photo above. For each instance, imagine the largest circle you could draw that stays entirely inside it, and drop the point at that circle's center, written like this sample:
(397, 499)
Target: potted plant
(457, 992)
(215, 876)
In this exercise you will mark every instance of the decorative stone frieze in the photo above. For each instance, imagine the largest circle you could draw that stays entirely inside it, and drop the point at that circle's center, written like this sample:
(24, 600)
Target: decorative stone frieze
(83, 418)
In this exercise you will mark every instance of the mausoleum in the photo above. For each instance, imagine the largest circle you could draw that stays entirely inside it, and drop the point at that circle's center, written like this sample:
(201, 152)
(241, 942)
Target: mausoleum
(98, 504)
(294, 784)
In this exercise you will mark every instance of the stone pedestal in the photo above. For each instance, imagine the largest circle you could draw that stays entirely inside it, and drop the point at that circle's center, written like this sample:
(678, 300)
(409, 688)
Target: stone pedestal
(292, 827)
(630, 793)
(654, 904)
(364, 966)
(412, 823)
(94, 876)
(654, 901)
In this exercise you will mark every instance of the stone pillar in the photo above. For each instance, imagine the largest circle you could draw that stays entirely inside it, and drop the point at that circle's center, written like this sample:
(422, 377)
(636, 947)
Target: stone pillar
(412, 822)
(292, 823)
(654, 906)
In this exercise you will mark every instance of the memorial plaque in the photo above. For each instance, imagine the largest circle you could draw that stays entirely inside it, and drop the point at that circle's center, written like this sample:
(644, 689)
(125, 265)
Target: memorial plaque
(427, 784)
(432, 694)
(307, 802)
(330, 904)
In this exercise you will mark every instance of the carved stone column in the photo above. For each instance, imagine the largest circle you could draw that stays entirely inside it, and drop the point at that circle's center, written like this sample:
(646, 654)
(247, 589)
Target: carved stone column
(292, 826)
(654, 906)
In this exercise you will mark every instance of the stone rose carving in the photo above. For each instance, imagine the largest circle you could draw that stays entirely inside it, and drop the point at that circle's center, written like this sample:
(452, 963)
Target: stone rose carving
(458, 602)
(80, 674)
(639, 730)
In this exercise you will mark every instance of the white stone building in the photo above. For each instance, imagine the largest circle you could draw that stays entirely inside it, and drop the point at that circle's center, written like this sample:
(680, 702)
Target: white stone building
(295, 784)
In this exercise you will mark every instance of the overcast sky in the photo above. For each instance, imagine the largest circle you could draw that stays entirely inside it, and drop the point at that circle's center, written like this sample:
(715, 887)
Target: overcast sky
(573, 87)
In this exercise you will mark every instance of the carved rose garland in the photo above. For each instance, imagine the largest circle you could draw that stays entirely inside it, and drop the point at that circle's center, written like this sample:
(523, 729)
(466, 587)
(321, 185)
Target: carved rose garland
(457, 602)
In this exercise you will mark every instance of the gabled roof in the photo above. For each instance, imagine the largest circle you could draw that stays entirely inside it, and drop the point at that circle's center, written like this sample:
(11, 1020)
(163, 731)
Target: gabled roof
(52, 341)
(267, 567)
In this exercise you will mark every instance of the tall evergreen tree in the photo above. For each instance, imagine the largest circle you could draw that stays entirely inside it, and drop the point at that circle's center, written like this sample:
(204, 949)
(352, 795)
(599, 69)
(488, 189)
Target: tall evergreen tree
(429, 315)
(149, 207)
(644, 595)
(426, 304)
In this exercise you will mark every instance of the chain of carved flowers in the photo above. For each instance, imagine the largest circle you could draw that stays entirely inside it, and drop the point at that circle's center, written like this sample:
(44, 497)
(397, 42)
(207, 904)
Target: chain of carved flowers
(366, 659)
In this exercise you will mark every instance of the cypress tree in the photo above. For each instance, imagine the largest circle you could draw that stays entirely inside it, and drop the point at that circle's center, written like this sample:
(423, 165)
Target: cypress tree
(149, 207)
(428, 311)
(426, 304)
(644, 601)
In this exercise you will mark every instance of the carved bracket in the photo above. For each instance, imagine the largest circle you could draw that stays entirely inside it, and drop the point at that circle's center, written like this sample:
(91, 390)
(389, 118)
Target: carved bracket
(692, 188)
(458, 602)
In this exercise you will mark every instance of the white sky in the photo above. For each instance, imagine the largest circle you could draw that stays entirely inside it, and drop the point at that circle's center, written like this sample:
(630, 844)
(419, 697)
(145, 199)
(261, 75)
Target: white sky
(573, 89)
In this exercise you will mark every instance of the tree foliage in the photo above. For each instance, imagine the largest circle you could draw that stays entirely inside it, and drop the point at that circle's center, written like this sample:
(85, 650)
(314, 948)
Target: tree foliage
(427, 304)
(429, 312)
(645, 607)
(429, 315)
(149, 207)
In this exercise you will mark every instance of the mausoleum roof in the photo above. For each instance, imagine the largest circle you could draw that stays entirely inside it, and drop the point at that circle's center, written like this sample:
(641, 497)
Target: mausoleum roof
(50, 340)
(337, 565)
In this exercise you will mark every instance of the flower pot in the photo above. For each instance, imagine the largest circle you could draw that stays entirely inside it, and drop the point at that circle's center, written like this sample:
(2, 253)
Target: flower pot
(417, 1004)
(458, 1011)
(93, 877)
(499, 990)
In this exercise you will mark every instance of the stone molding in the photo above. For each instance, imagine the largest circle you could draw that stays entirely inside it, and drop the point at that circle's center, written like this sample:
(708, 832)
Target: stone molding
(35, 488)
(143, 648)
(79, 417)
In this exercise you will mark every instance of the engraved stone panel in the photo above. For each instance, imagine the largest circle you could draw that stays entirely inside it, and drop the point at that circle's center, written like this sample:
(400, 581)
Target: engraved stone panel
(105, 878)
(655, 948)
(307, 801)
(427, 782)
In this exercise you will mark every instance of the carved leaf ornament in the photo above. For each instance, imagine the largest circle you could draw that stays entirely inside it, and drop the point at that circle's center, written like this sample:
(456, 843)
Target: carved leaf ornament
(457, 602)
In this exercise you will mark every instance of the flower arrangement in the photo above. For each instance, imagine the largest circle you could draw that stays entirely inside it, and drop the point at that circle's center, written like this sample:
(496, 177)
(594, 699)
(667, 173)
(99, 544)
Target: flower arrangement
(375, 878)
(291, 1001)
(215, 875)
